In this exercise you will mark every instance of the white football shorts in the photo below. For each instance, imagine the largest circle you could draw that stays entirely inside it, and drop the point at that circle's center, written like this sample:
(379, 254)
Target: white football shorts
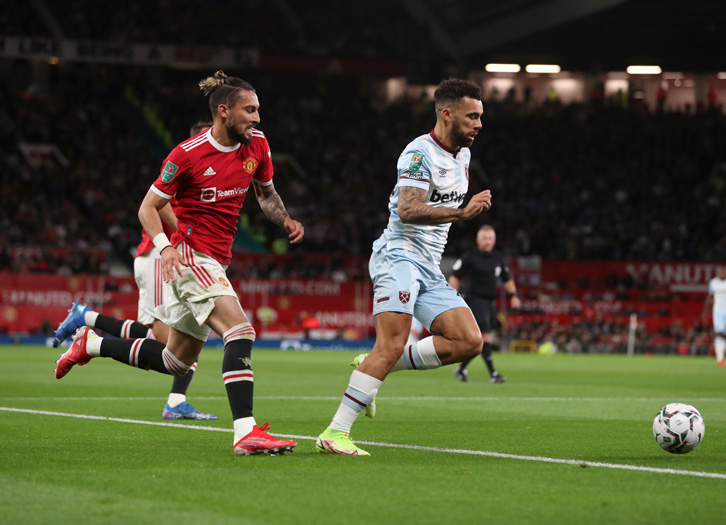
(153, 291)
(203, 280)
(719, 321)
(403, 283)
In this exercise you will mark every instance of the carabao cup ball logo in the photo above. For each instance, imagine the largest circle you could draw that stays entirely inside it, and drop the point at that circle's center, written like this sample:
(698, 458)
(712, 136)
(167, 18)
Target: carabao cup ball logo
(249, 165)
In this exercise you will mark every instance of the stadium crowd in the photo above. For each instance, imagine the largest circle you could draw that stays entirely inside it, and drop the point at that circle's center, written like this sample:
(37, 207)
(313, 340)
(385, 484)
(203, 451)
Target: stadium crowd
(577, 182)
(600, 335)
(601, 180)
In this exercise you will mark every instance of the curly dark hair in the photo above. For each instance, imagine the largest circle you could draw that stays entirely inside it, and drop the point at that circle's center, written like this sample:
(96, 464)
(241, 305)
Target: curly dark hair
(452, 90)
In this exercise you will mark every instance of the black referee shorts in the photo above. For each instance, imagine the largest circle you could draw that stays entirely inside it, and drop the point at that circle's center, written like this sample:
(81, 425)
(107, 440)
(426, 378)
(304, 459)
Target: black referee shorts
(485, 313)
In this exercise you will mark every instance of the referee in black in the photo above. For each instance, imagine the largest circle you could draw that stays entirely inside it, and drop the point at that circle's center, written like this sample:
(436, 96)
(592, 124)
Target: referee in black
(475, 277)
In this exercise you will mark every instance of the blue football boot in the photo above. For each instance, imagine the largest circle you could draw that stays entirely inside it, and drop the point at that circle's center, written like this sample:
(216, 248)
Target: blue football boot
(185, 411)
(73, 321)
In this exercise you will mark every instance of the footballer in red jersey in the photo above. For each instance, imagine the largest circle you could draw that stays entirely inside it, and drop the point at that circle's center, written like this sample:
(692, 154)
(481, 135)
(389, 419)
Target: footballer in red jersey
(209, 175)
(210, 182)
(152, 292)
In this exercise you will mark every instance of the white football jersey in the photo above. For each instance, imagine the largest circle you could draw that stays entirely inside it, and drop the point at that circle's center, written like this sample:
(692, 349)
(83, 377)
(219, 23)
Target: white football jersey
(427, 164)
(717, 288)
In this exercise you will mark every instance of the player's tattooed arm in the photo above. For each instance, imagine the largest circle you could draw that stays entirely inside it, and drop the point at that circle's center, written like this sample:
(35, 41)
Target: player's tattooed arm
(412, 207)
(274, 209)
(271, 203)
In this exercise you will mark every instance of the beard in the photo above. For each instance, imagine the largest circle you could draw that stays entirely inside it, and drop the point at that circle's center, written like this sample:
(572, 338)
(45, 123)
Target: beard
(461, 138)
(239, 137)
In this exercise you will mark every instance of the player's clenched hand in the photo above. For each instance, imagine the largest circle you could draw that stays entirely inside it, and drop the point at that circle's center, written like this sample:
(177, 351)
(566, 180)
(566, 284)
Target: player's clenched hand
(170, 260)
(480, 202)
(294, 229)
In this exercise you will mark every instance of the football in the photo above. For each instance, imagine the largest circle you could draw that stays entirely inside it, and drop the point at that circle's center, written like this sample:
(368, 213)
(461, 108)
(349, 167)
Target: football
(678, 428)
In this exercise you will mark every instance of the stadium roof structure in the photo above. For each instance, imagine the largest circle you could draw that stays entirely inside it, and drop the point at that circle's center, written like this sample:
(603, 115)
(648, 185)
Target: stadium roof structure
(585, 35)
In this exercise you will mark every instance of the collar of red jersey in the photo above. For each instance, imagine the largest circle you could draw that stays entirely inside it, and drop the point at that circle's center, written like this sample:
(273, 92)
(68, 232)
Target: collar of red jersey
(225, 149)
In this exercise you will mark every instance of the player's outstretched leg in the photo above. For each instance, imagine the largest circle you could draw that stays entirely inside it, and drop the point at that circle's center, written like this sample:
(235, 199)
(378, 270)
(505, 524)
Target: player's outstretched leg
(73, 321)
(147, 354)
(370, 410)
(76, 354)
(177, 406)
(82, 315)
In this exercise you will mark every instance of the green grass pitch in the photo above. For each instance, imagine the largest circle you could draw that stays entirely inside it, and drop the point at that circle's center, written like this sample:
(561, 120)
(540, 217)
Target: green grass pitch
(596, 410)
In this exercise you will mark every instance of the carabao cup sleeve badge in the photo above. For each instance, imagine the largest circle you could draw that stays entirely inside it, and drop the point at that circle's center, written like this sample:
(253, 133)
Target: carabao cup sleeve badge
(416, 162)
(170, 170)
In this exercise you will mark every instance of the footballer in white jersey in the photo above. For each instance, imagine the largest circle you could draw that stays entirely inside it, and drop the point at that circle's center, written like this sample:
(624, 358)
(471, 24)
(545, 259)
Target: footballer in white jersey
(407, 280)
(716, 299)
(427, 164)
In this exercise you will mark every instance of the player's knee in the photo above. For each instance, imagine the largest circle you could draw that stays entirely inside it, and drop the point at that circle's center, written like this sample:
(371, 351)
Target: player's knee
(389, 351)
(471, 343)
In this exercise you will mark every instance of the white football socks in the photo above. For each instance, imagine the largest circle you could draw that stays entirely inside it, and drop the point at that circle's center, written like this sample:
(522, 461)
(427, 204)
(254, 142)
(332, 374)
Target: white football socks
(90, 318)
(242, 427)
(360, 392)
(176, 399)
(720, 344)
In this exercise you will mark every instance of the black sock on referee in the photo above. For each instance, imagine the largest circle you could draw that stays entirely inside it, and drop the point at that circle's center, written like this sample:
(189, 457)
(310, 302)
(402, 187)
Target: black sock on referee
(486, 354)
(464, 364)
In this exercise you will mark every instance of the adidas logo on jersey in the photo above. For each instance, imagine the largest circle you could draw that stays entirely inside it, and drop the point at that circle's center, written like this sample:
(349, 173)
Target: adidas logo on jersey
(209, 172)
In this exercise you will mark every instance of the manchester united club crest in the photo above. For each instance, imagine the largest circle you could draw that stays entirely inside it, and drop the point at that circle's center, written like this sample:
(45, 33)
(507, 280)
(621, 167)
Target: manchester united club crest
(404, 297)
(223, 282)
(249, 165)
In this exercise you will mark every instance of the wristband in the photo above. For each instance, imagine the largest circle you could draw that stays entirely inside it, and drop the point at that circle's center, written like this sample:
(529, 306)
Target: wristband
(161, 241)
(513, 294)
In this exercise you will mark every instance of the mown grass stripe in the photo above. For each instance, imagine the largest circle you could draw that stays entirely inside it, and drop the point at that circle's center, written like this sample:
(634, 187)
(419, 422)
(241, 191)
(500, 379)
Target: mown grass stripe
(539, 459)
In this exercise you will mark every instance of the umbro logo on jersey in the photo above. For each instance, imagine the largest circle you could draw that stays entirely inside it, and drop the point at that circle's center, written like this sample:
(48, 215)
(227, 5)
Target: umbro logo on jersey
(209, 172)
(442, 173)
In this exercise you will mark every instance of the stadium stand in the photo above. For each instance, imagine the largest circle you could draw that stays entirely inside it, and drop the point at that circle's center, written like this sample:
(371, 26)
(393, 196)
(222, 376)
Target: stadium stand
(592, 181)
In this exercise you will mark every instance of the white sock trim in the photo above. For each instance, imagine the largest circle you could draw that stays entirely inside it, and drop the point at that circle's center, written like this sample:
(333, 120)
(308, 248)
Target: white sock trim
(365, 383)
(176, 399)
(172, 364)
(242, 427)
(93, 344)
(90, 318)
(428, 353)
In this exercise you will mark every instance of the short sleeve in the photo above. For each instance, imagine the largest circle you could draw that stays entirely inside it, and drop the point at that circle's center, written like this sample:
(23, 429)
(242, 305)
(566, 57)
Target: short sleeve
(264, 172)
(175, 168)
(414, 170)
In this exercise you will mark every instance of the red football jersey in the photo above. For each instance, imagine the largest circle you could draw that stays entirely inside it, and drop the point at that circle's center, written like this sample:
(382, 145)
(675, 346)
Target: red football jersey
(210, 183)
(146, 245)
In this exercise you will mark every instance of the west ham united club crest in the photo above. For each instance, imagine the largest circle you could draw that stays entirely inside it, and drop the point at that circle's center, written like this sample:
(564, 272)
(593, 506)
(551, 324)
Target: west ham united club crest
(404, 297)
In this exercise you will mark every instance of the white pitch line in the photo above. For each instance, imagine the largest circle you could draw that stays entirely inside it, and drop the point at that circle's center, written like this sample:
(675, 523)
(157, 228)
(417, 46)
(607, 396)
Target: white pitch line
(381, 398)
(540, 459)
